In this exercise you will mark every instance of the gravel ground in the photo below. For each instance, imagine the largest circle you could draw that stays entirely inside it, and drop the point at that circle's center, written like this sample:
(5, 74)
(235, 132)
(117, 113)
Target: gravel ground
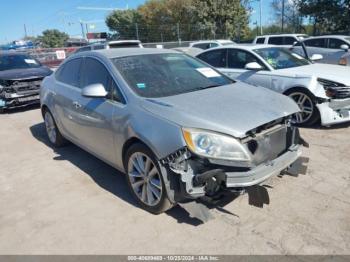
(68, 202)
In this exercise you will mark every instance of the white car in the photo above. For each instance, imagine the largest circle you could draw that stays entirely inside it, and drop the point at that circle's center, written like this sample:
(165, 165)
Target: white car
(283, 39)
(321, 91)
(331, 47)
(207, 44)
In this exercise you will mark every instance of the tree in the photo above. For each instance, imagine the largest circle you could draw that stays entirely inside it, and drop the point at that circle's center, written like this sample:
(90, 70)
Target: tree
(287, 15)
(53, 38)
(124, 22)
(172, 20)
(327, 15)
(227, 17)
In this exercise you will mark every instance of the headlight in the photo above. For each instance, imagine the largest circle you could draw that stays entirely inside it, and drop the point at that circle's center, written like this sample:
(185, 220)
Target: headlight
(343, 62)
(214, 145)
(330, 87)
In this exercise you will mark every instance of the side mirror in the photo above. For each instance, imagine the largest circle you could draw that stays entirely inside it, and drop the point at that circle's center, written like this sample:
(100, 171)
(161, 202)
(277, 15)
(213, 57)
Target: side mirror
(253, 66)
(316, 57)
(344, 47)
(94, 91)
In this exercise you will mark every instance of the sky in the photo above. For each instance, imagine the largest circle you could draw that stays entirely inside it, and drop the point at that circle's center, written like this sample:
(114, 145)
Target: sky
(65, 15)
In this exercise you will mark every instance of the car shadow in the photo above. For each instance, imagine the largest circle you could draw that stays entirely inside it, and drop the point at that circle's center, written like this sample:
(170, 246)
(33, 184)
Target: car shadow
(114, 182)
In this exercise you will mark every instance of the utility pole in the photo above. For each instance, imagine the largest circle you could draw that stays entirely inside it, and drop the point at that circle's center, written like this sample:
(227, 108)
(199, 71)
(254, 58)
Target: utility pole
(261, 28)
(25, 31)
(283, 6)
(82, 29)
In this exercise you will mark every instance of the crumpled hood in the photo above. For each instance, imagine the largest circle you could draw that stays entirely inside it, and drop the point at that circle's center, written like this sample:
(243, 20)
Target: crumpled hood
(19, 74)
(336, 73)
(232, 109)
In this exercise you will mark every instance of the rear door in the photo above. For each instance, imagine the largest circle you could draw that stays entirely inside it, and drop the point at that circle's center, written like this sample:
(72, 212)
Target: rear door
(66, 92)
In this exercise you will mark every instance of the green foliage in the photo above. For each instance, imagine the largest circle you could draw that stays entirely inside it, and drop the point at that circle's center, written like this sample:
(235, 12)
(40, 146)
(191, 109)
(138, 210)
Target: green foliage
(170, 20)
(327, 15)
(53, 38)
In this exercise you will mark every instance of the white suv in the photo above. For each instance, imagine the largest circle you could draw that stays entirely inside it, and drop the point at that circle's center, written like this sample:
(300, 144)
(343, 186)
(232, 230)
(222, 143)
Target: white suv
(285, 39)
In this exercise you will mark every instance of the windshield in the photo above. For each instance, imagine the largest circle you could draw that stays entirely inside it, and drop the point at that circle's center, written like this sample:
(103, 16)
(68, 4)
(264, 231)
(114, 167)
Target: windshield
(280, 58)
(17, 61)
(160, 75)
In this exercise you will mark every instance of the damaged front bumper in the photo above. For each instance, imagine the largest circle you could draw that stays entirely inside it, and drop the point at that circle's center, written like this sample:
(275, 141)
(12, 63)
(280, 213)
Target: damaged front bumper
(20, 94)
(201, 177)
(263, 172)
(334, 111)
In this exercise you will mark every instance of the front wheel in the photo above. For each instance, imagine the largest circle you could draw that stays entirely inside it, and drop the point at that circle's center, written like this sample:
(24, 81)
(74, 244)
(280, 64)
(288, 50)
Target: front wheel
(308, 114)
(145, 180)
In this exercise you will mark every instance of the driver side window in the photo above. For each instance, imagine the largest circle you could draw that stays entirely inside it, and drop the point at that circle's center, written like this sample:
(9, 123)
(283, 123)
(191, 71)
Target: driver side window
(94, 72)
(238, 59)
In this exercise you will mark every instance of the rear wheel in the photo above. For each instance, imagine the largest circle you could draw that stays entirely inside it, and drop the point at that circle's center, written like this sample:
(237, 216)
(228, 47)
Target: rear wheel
(145, 180)
(52, 131)
(308, 114)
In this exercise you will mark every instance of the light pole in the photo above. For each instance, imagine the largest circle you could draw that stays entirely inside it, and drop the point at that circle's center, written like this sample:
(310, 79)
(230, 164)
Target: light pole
(261, 29)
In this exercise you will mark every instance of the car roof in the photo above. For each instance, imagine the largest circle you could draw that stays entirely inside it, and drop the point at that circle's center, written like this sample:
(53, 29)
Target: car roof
(328, 36)
(212, 41)
(122, 52)
(281, 35)
(247, 47)
(124, 41)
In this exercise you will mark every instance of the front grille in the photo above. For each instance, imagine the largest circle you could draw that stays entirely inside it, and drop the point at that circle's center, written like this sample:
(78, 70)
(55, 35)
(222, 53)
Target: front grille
(270, 144)
(23, 86)
(342, 93)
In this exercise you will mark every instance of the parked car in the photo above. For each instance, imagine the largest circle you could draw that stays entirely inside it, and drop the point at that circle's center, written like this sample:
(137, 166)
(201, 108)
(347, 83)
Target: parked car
(207, 44)
(331, 47)
(20, 79)
(178, 128)
(321, 91)
(283, 39)
(111, 44)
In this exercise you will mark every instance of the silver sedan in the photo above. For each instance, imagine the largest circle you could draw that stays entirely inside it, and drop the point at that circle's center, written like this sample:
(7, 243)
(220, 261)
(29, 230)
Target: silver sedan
(179, 129)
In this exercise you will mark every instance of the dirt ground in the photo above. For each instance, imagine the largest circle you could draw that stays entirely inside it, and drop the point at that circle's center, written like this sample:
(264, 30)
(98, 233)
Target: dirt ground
(68, 202)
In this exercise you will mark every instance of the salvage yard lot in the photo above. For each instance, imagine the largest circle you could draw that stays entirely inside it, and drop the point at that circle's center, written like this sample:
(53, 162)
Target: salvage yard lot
(68, 202)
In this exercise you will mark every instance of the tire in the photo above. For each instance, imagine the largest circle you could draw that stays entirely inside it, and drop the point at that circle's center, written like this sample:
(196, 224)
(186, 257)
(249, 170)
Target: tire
(145, 179)
(306, 101)
(54, 135)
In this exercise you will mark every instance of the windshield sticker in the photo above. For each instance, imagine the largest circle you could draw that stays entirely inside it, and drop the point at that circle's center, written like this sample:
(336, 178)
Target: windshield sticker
(30, 61)
(141, 85)
(208, 72)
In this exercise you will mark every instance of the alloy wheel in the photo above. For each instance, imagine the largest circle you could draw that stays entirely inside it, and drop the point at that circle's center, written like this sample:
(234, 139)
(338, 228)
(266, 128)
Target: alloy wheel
(145, 179)
(306, 106)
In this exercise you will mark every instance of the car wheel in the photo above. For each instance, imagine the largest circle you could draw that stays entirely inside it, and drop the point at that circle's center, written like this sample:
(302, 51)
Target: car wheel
(309, 114)
(145, 180)
(52, 131)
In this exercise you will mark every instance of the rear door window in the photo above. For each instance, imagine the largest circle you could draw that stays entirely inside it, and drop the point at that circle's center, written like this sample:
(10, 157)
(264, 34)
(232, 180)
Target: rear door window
(260, 40)
(215, 58)
(321, 42)
(69, 73)
(202, 46)
(289, 40)
(276, 40)
(336, 43)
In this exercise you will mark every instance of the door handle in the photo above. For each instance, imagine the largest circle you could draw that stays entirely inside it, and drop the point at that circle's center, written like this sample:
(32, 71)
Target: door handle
(76, 105)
